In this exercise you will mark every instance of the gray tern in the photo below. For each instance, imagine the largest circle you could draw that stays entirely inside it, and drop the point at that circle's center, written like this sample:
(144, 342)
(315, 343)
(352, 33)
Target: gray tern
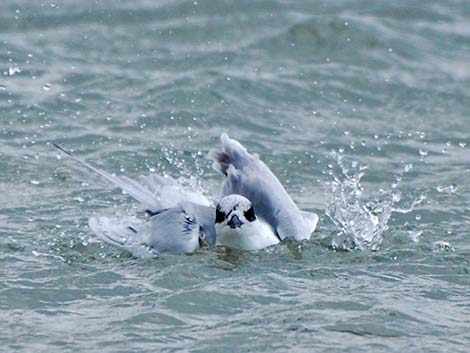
(254, 210)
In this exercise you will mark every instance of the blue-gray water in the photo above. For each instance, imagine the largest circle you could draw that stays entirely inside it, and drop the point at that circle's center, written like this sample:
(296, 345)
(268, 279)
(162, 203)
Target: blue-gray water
(317, 89)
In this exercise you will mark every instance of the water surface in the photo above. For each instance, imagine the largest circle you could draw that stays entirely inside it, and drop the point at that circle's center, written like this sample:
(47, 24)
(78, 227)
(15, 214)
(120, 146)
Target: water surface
(322, 92)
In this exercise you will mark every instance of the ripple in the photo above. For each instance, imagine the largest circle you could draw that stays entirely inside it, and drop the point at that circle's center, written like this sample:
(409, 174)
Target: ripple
(142, 87)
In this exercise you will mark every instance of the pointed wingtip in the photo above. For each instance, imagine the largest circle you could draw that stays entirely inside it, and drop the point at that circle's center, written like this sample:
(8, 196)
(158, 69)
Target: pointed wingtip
(224, 137)
(61, 148)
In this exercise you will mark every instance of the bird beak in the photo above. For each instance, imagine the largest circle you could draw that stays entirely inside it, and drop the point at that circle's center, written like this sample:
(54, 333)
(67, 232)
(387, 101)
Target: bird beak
(234, 222)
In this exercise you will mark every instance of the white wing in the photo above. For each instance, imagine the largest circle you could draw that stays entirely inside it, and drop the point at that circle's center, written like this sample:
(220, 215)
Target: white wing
(179, 216)
(169, 192)
(248, 176)
(154, 192)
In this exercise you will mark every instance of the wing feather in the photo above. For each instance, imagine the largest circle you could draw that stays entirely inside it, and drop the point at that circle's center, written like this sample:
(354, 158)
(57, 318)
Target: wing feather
(248, 176)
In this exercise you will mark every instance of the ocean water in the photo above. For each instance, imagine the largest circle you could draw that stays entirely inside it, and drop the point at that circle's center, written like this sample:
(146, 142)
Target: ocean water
(361, 108)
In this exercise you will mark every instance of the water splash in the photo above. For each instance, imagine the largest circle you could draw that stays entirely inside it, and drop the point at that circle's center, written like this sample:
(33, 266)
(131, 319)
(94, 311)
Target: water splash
(441, 246)
(362, 220)
(13, 70)
(450, 189)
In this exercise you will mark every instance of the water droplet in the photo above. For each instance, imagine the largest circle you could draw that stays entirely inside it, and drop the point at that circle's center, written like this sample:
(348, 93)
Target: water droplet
(46, 87)
(447, 189)
(442, 245)
(414, 235)
(408, 167)
(13, 70)
(396, 196)
(360, 222)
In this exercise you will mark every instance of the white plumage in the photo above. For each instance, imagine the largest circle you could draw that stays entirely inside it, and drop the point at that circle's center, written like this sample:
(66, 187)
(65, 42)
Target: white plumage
(254, 211)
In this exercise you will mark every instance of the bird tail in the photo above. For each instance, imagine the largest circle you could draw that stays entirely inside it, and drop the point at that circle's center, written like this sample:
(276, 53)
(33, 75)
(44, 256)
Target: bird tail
(121, 234)
(111, 231)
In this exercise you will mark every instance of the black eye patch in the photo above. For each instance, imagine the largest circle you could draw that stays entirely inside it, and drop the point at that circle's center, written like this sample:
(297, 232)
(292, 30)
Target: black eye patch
(250, 215)
(219, 215)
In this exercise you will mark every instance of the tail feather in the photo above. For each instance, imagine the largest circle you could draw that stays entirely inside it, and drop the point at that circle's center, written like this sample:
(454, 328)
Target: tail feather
(110, 232)
(121, 234)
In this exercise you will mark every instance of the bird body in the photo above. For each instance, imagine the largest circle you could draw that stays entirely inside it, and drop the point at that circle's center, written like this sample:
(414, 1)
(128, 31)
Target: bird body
(254, 210)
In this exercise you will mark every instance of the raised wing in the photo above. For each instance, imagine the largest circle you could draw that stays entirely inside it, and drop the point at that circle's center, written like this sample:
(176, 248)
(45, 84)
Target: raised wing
(154, 192)
(248, 176)
(179, 217)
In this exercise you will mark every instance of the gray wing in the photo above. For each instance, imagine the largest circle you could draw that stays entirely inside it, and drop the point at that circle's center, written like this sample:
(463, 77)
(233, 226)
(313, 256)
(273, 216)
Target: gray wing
(205, 217)
(250, 177)
(153, 192)
(178, 216)
(173, 230)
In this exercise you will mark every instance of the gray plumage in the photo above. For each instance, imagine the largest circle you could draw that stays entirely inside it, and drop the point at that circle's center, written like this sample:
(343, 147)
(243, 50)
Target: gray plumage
(248, 176)
(171, 230)
(179, 217)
